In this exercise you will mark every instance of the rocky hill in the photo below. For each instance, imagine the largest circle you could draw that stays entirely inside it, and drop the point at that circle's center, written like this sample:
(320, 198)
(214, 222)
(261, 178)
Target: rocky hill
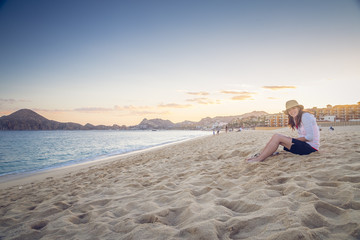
(205, 123)
(26, 119)
(210, 122)
(155, 124)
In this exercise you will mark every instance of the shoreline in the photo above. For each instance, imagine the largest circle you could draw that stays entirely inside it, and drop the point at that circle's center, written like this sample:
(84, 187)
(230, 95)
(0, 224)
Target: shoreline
(11, 180)
(72, 157)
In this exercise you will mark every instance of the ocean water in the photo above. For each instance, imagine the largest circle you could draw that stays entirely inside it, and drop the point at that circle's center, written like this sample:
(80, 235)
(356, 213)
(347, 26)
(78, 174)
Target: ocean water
(32, 151)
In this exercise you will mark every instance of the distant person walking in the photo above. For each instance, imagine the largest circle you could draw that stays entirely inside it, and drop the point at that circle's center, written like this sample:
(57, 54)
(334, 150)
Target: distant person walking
(308, 130)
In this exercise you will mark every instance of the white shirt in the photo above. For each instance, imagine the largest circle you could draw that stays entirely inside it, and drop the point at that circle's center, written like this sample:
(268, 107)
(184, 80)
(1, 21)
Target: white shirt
(310, 130)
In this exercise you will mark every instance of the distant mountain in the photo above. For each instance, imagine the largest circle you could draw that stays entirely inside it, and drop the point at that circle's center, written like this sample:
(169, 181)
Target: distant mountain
(155, 124)
(202, 124)
(186, 125)
(254, 114)
(26, 119)
(209, 122)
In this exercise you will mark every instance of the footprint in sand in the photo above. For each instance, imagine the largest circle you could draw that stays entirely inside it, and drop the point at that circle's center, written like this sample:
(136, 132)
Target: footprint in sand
(202, 191)
(148, 218)
(49, 212)
(328, 210)
(239, 206)
(241, 229)
(62, 205)
(314, 220)
(39, 225)
(31, 208)
(80, 219)
(279, 180)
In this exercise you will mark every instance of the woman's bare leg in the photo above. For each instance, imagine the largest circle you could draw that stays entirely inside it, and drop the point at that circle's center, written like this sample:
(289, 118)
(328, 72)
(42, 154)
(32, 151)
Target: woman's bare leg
(272, 146)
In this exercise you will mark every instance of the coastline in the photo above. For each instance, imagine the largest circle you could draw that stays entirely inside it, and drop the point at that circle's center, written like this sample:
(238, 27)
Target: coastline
(20, 179)
(198, 189)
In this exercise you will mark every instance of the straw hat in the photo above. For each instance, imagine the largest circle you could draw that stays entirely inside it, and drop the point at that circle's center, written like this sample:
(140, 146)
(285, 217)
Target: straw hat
(291, 104)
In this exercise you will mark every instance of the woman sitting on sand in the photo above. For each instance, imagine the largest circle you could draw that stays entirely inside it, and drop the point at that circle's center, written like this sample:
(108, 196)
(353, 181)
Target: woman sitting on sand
(309, 135)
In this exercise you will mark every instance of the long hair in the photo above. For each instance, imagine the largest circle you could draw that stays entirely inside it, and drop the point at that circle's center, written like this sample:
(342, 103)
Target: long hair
(292, 122)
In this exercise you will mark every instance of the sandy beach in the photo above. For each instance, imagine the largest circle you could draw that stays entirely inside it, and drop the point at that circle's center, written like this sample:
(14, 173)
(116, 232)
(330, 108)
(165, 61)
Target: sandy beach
(198, 189)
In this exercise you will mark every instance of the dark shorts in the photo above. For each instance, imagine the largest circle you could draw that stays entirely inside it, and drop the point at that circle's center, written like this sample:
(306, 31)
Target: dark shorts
(300, 147)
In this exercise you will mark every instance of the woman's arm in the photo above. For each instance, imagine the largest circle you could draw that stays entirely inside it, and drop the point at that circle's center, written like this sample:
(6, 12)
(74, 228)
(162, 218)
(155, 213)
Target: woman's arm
(302, 139)
(307, 122)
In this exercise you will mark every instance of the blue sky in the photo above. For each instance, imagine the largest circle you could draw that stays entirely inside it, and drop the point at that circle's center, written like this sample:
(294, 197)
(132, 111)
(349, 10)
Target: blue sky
(108, 62)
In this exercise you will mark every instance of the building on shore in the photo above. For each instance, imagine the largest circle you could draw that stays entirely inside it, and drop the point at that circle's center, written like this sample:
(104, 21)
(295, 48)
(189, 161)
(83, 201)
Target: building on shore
(276, 120)
(338, 113)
